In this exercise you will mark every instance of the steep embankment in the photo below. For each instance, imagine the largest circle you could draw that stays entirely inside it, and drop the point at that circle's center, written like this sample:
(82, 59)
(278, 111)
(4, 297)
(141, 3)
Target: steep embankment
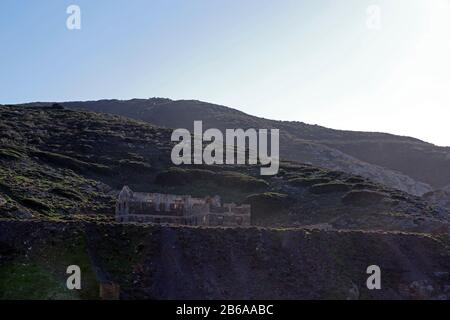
(160, 262)
(404, 163)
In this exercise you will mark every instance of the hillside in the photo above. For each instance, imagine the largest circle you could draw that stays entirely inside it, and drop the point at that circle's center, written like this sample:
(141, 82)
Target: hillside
(314, 230)
(58, 162)
(404, 163)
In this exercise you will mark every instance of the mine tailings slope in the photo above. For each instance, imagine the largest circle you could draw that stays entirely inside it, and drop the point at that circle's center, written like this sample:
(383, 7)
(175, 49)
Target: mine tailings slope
(162, 262)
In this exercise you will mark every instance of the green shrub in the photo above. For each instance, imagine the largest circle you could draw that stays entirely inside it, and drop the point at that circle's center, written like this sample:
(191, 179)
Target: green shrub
(331, 187)
(134, 165)
(10, 154)
(333, 175)
(306, 182)
(66, 193)
(240, 181)
(300, 168)
(355, 180)
(34, 204)
(364, 186)
(363, 197)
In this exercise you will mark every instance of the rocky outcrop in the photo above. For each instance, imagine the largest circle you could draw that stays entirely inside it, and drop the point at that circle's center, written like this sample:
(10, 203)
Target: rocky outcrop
(333, 159)
(440, 198)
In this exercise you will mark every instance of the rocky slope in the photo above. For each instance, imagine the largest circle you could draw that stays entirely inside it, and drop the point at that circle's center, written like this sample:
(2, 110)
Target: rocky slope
(62, 163)
(404, 163)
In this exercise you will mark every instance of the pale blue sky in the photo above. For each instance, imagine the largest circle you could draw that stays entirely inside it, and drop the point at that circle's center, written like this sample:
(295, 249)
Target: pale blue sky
(312, 61)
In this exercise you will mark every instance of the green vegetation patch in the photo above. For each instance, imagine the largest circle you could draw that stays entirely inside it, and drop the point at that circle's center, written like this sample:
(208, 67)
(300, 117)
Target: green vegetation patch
(35, 204)
(30, 281)
(11, 154)
(331, 187)
(42, 275)
(70, 163)
(67, 193)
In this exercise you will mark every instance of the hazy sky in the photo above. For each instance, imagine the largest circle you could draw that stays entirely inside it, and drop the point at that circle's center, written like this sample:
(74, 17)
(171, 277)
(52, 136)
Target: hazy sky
(355, 64)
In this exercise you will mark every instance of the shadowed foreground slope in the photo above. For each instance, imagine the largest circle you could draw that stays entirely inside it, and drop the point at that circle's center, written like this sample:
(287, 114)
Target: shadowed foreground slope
(160, 262)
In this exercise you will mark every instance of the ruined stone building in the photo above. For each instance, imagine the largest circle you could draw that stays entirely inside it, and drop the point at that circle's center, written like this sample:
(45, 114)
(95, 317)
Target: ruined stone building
(179, 209)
